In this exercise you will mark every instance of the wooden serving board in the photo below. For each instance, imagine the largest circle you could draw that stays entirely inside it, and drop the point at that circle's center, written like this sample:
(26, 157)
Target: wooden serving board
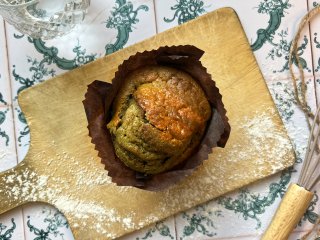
(62, 167)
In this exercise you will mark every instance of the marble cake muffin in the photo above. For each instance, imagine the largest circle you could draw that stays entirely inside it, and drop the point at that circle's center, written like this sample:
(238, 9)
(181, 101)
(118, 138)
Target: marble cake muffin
(159, 117)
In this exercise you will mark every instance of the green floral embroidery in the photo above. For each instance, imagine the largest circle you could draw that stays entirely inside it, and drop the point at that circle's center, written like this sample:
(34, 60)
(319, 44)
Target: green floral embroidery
(5, 233)
(251, 205)
(39, 72)
(25, 131)
(282, 49)
(276, 10)
(160, 227)
(2, 117)
(285, 100)
(317, 44)
(2, 100)
(199, 222)
(50, 54)
(310, 215)
(81, 56)
(3, 133)
(122, 18)
(55, 223)
(186, 10)
(3, 114)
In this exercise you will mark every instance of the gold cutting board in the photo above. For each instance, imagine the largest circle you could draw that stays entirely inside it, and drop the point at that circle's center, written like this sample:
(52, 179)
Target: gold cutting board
(62, 167)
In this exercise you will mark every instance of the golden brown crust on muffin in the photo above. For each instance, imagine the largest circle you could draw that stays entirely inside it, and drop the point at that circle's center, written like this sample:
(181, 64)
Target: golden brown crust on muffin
(159, 118)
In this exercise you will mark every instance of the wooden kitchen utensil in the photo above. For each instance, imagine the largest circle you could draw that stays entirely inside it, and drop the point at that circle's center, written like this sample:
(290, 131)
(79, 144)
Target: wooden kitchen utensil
(62, 167)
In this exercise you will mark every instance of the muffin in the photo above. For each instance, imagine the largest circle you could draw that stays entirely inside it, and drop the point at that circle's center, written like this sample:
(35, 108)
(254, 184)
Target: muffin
(158, 120)
(159, 117)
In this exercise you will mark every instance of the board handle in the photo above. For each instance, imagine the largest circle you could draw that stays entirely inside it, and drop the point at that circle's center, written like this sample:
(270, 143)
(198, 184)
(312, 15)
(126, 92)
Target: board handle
(293, 205)
(13, 188)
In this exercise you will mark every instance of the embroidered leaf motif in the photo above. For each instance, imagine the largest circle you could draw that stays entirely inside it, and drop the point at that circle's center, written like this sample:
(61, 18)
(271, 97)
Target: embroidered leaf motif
(5, 232)
(310, 215)
(2, 100)
(2, 117)
(38, 70)
(56, 222)
(276, 10)
(199, 221)
(186, 10)
(282, 49)
(160, 228)
(122, 18)
(3, 133)
(317, 45)
(251, 205)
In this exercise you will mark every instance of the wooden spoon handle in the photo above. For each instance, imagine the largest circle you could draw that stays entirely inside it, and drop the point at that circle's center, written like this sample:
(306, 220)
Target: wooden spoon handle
(13, 188)
(293, 205)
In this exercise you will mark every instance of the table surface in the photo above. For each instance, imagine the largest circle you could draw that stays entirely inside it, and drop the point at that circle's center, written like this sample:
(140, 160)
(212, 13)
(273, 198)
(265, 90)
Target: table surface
(115, 24)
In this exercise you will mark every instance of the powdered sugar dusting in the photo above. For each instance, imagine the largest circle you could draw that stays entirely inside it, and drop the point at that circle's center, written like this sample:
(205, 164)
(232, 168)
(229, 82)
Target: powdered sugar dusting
(260, 137)
(26, 187)
(267, 139)
(87, 176)
(103, 216)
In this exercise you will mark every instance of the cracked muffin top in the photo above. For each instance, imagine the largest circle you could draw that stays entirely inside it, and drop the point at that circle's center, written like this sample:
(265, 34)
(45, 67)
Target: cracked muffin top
(159, 117)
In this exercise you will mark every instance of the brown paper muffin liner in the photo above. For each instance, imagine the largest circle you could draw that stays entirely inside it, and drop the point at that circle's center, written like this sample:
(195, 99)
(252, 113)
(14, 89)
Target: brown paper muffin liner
(98, 104)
